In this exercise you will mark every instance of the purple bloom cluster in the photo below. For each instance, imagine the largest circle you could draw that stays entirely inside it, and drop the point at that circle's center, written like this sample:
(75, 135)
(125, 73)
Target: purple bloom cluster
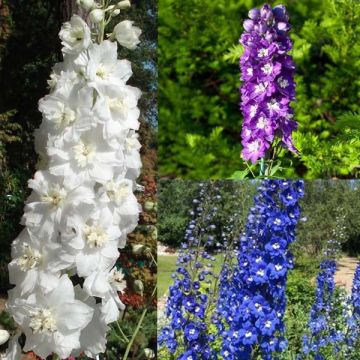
(252, 300)
(322, 330)
(267, 72)
(189, 295)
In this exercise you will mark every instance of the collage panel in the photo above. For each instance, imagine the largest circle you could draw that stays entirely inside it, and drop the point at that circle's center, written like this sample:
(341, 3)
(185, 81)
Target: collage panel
(297, 112)
(78, 179)
(266, 269)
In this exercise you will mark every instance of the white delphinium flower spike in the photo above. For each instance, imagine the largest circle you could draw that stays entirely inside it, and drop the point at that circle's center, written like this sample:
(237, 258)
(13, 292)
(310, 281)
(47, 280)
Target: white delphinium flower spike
(82, 206)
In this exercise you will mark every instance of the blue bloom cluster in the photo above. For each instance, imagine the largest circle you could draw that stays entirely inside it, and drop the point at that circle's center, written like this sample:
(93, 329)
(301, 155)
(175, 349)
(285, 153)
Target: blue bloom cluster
(252, 300)
(190, 293)
(322, 331)
(353, 334)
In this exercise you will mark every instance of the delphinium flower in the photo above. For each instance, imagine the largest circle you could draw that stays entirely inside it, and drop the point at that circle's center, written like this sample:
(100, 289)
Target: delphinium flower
(82, 205)
(352, 337)
(252, 300)
(267, 72)
(187, 334)
(324, 332)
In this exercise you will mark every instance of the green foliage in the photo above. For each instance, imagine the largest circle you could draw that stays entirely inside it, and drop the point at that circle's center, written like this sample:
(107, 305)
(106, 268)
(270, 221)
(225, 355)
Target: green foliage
(175, 201)
(199, 78)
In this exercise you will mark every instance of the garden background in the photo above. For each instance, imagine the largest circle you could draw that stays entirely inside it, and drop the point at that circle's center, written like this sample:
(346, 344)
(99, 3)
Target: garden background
(29, 47)
(200, 121)
(330, 211)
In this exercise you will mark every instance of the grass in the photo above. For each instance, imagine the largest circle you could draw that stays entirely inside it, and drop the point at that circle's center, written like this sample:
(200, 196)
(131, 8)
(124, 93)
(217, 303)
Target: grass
(167, 265)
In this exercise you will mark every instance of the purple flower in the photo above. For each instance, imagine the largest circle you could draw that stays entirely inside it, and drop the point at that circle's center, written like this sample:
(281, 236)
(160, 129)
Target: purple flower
(268, 86)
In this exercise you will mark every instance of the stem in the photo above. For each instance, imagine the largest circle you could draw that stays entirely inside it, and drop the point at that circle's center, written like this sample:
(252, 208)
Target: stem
(262, 166)
(102, 24)
(137, 328)
(249, 168)
(121, 332)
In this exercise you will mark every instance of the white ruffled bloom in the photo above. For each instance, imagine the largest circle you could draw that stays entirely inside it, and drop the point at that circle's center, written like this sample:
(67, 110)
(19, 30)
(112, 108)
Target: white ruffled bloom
(90, 236)
(52, 322)
(106, 285)
(82, 206)
(51, 195)
(75, 35)
(101, 66)
(36, 262)
(126, 34)
(85, 157)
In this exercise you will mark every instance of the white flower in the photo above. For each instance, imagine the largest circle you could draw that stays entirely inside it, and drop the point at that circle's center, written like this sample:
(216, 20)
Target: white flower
(93, 336)
(101, 65)
(14, 350)
(75, 35)
(117, 109)
(52, 322)
(123, 4)
(106, 285)
(90, 236)
(51, 195)
(69, 74)
(126, 34)
(119, 198)
(97, 15)
(65, 114)
(36, 261)
(86, 157)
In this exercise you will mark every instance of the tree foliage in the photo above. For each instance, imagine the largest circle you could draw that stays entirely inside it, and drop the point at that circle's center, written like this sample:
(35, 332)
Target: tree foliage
(330, 211)
(199, 79)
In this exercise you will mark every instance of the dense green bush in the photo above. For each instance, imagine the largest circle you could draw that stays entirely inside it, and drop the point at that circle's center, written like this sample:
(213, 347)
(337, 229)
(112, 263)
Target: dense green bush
(199, 78)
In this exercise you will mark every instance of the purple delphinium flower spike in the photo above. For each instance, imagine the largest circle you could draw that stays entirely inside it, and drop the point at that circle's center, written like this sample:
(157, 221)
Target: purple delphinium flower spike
(267, 72)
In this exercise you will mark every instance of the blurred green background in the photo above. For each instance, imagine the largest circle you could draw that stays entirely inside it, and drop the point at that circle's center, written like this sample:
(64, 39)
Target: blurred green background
(199, 118)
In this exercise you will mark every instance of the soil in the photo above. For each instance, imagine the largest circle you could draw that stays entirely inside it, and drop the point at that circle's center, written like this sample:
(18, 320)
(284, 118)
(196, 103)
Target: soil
(345, 273)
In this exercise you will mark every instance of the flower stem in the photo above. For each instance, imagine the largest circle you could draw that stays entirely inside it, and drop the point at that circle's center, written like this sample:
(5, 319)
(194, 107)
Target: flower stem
(262, 166)
(121, 332)
(137, 328)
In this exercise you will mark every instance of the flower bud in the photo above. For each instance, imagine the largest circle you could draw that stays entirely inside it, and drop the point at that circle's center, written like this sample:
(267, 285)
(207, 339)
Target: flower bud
(126, 34)
(139, 287)
(149, 205)
(86, 4)
(280, 13)
(123, 4)
(254, 14)
(248, 25)
(149, 353)
(4, 336)
(137, 249)
(97, 15)
(263, 27)
(116, 12)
